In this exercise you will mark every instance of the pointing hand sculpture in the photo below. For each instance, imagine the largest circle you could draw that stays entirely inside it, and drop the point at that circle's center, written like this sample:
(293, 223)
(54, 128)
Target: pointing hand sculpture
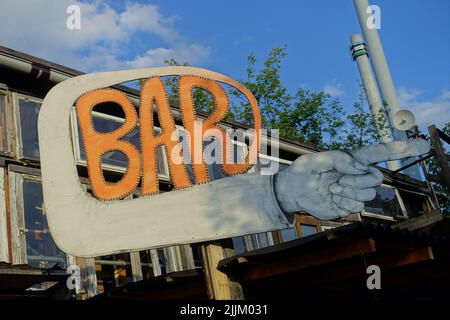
(333, 184)
(327, 185)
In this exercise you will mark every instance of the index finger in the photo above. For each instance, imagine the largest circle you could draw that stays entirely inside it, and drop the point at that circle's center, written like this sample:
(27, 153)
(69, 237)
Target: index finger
(391, 151)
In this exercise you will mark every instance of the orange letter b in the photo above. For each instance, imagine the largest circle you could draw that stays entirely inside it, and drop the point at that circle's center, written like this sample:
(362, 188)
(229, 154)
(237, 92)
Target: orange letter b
(96, 144)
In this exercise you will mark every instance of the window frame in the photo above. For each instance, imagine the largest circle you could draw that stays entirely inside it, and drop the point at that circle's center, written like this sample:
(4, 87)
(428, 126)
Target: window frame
(16, 97)
(4, 235)
(237, 143)
(369, 214)
(9, 130)
(109, 167)
(17, 217)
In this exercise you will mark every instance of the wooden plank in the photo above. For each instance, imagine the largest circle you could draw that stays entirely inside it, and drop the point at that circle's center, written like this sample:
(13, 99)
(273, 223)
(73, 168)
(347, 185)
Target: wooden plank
(221, 287)
(18, 240)
(24, 169)
(420, 221)
(155, 262)
(88, 280)
(8, 214)
(173, 259)
(136, 267)
(10, 126)
(404, 259)
(4, 241)
(187, 257)
(440, 154)
(338, 252)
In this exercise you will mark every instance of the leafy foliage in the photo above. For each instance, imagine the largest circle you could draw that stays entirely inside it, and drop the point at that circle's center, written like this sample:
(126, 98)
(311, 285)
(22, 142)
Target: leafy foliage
(203, 101)
(308, 116)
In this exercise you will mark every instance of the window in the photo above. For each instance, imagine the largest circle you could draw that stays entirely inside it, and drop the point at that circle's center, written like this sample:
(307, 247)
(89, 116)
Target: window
(252, 242)
(239, 245)
(28, 111)
(307, 230)
(42, 251)
(215, 172)
(264, 239)
(289, 234)
(416, 204)
(214, 169)
(115, 161)
(387, 203)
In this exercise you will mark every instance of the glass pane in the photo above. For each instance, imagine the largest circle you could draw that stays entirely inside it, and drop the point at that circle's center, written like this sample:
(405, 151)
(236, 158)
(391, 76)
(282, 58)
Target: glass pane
(307, 230)
(214, 169)
(239, 246)
(113, 271)
(115, 158)
(42, 251)
(238, 153)
(385, 203)
(289, 234)
(415, 203)
(29, 111)
(263, 240)
(3, 141)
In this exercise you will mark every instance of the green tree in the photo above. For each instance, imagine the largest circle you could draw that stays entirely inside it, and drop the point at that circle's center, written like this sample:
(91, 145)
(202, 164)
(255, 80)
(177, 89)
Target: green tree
(203, 101)
(266, 86)
(334, 119)
(307, 116)
(361, 125)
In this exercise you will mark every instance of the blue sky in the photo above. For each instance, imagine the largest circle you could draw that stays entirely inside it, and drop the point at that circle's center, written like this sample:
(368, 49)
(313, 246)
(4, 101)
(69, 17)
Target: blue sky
(219, 35)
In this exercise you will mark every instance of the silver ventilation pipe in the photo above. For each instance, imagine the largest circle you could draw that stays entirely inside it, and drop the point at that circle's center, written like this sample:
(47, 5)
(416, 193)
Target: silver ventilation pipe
(399, 120)
(359, 54)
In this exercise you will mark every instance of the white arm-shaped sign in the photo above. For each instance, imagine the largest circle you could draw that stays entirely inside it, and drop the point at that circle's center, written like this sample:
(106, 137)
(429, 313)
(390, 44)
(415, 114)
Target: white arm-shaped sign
(328, 185)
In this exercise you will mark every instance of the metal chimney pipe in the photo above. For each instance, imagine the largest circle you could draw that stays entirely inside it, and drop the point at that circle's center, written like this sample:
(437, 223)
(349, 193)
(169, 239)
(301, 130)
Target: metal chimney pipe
(359, 54)
(379, 63)
(386, 87)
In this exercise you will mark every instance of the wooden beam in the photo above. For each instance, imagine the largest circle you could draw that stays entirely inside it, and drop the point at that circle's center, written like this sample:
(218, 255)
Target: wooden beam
(404, 259)
(338, 252)
(440, 154)
(156, 266)
(221, 287)
(419, 222)
(88, 277)
(4, 239)
(136, 267)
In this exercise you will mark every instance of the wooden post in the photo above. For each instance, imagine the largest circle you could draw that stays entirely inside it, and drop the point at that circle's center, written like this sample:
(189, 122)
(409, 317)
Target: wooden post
(220, 286)
(440, 154)
(88, 277)
(155, 262)
(136, 266)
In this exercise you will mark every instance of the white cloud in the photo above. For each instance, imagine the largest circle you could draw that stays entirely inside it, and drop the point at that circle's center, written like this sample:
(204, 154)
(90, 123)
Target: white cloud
(427, 112)
(184, 53)
(334, 88)
(105, 40)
